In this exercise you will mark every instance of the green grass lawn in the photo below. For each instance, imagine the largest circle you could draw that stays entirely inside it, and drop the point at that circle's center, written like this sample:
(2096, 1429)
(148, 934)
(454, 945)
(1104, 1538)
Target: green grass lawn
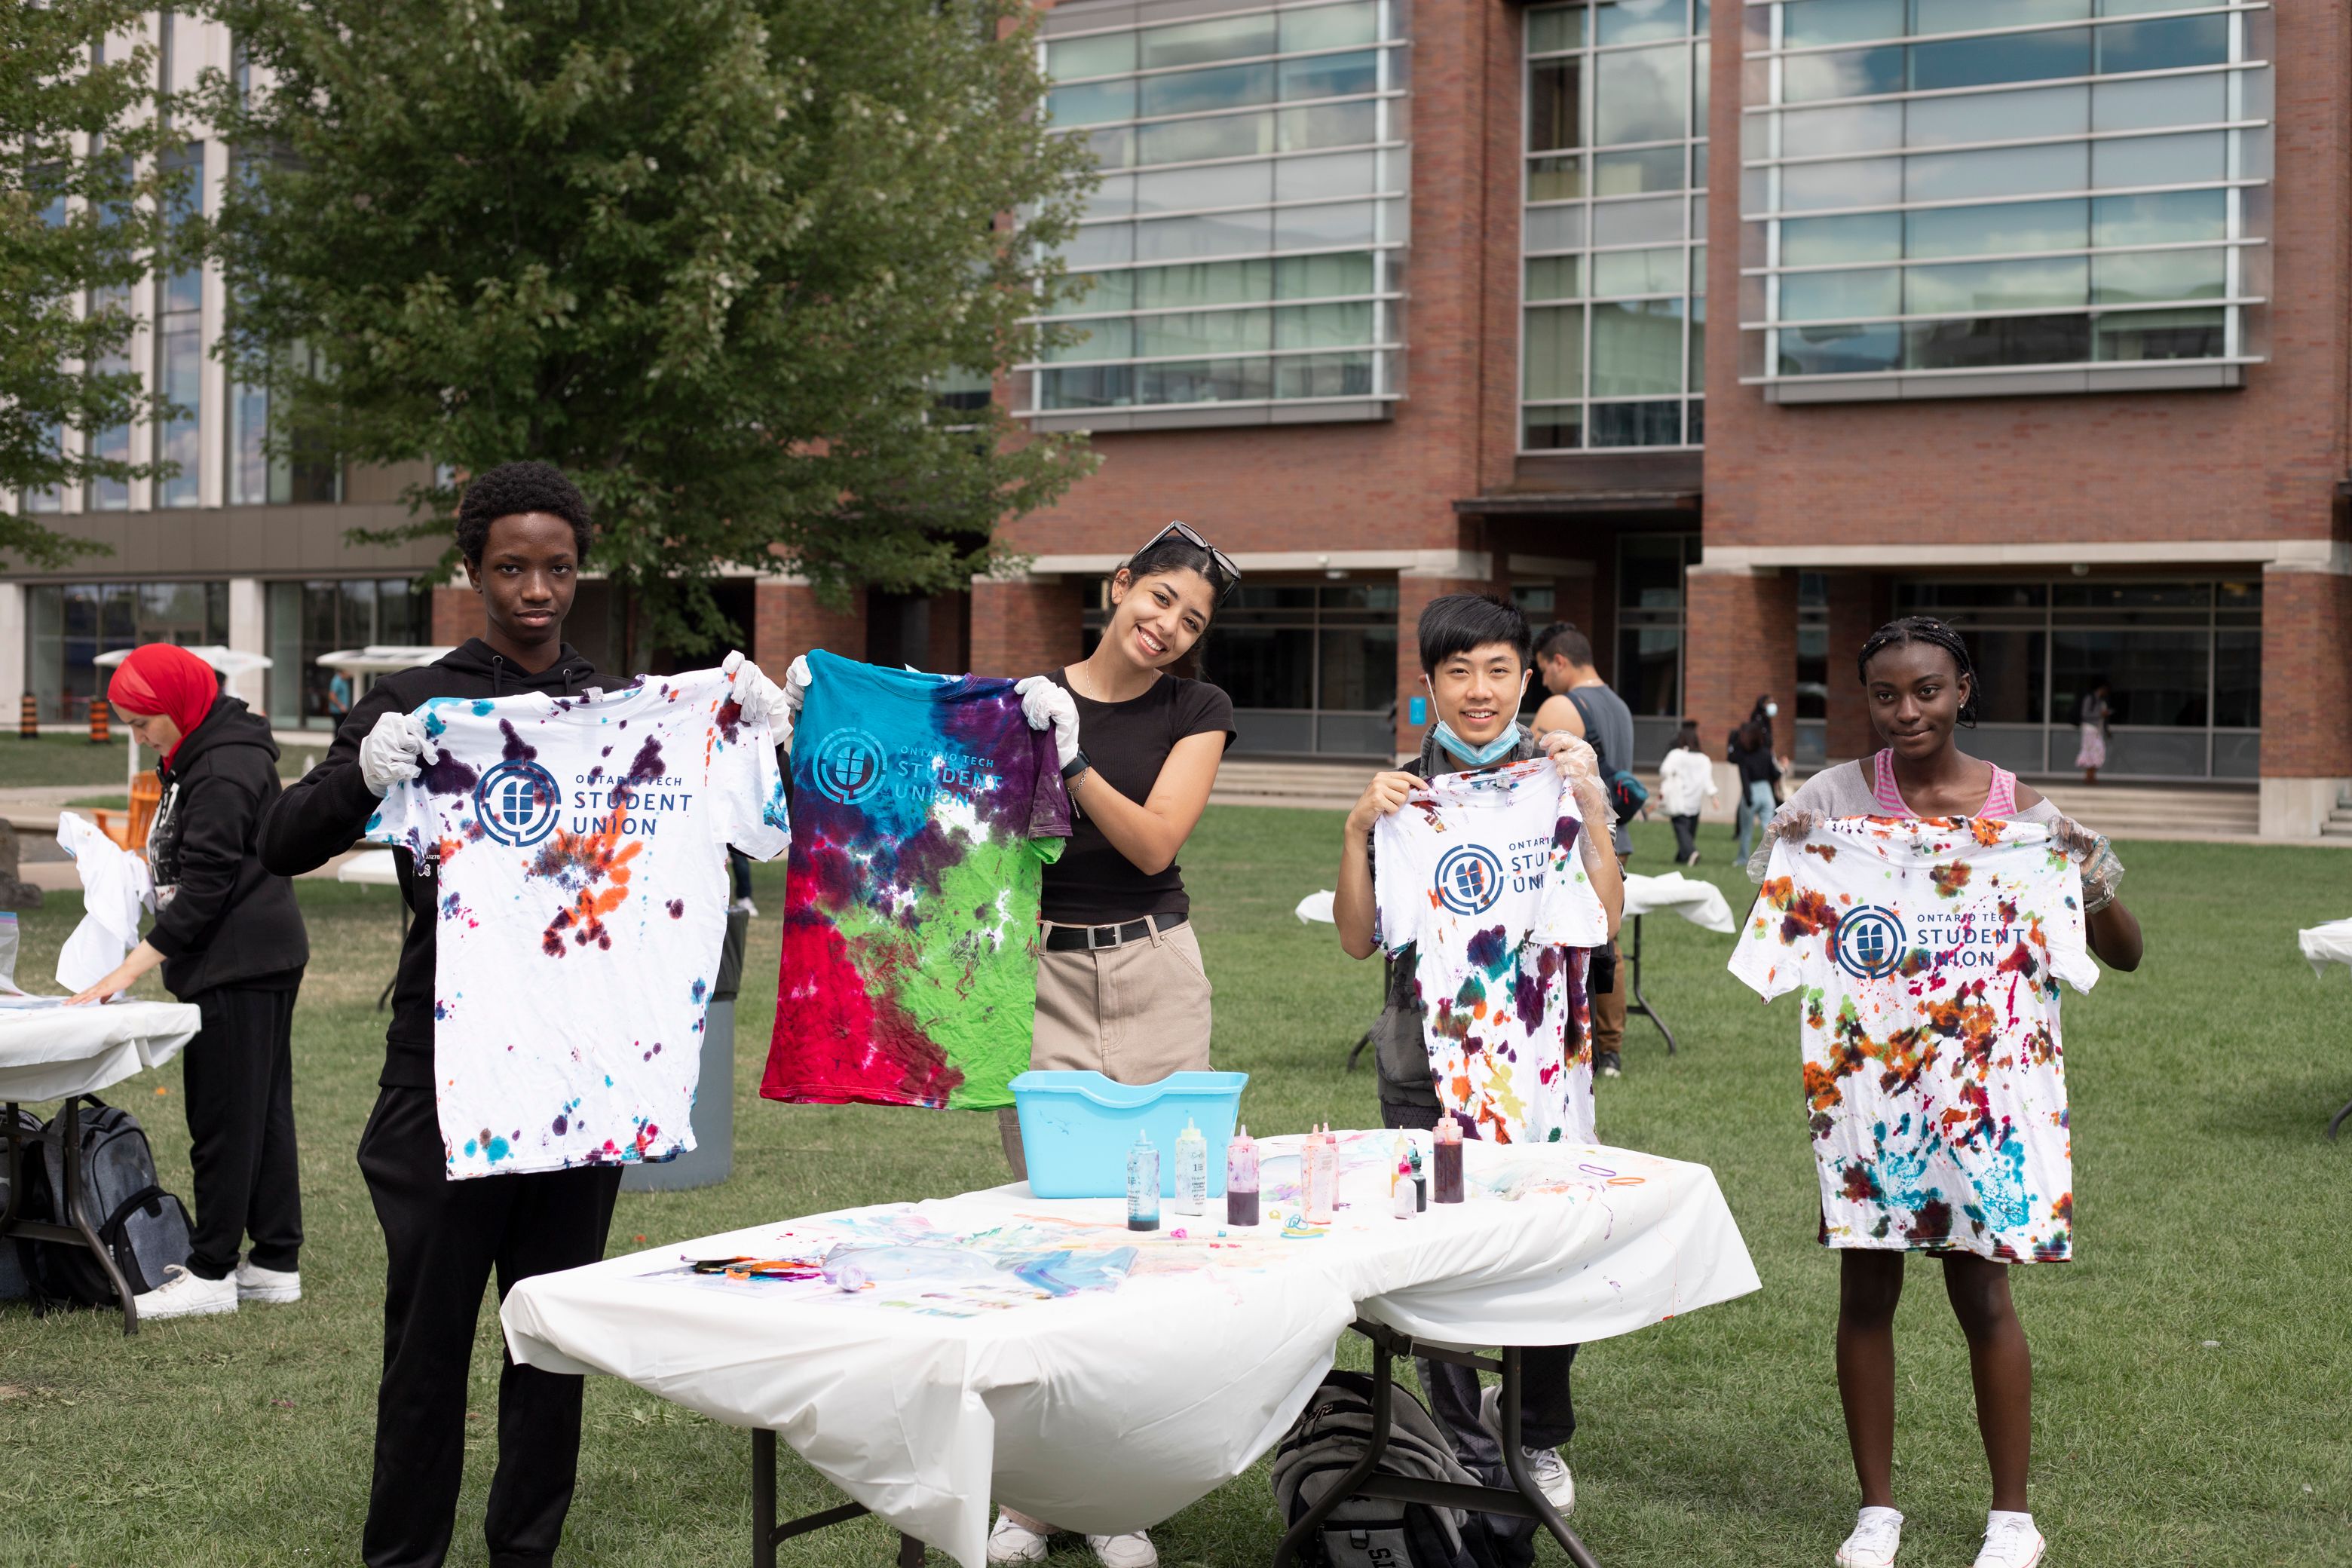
(2193, 1367)
(58, 759)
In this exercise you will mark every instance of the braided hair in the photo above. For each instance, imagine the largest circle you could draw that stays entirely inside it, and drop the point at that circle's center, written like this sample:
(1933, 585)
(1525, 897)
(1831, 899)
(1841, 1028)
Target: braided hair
(1924, 630)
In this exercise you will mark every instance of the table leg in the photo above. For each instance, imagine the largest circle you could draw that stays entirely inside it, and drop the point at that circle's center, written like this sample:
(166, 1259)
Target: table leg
(2338, 1120)
(910, 1552)
(70, 1157)
(1640, 1004)
(763, 1498)
(1294, 1541)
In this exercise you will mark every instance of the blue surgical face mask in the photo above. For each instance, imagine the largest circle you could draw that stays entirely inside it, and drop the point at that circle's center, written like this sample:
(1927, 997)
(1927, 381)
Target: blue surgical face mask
(1487, 755)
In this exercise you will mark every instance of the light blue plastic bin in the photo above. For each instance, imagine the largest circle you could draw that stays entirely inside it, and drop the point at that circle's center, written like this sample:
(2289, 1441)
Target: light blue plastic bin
(1077, 1128)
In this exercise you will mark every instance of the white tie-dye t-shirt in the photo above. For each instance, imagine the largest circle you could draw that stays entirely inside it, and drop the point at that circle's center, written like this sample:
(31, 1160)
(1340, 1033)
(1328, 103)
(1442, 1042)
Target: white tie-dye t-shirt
(580, 850)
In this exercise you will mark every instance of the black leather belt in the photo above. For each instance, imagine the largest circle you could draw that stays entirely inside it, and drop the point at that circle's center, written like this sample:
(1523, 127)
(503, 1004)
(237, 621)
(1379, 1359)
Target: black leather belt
(1090, 939)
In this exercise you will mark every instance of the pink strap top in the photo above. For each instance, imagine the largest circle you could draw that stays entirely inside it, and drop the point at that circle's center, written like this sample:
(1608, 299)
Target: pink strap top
(2000, 801)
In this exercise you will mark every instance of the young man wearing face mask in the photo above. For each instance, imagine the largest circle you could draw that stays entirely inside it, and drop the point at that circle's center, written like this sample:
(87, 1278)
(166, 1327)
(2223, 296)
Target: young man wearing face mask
(1581, 704)
(1475, 669)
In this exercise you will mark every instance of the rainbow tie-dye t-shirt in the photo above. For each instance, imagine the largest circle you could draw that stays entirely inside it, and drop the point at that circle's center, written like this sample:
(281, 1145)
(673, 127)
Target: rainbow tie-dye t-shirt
(924, 810)
(580, 851)
(1929, 950)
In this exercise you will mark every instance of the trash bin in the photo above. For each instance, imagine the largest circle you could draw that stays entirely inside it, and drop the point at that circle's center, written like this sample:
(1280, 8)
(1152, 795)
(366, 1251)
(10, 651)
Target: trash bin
(713, 1160)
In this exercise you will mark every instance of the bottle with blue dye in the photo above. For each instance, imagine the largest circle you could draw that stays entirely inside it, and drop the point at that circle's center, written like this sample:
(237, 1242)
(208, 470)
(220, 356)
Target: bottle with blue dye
(1192, 1171)
(1143, 1185)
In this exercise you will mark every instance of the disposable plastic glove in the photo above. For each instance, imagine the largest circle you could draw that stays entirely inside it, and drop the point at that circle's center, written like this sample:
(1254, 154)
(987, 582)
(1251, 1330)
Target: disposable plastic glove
(761, 699)
(395, 752)
(1042, 703)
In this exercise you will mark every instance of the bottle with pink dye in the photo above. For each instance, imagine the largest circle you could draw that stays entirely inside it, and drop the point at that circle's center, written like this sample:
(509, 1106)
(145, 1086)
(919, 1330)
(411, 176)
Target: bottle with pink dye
(1240, 1179)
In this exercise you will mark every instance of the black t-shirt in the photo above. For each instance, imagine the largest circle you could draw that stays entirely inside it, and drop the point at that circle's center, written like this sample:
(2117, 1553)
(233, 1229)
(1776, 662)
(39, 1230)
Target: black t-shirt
(1129, 742)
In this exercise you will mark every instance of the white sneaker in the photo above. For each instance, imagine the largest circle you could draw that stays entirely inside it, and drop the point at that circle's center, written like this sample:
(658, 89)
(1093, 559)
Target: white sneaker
(257, 1284)
(1544, 1465)
(1131, 1551)
(1010, 1543)
(1877, 1536)
(185, 1295)
(2010, 1541)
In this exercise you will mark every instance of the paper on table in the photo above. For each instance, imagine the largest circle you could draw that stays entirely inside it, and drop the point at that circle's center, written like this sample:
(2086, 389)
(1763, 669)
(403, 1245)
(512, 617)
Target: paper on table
(115, 886)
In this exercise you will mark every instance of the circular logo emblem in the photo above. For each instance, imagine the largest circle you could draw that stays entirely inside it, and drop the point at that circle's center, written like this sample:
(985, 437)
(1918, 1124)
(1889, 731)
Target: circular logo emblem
(1469, 879)
(849, 765)
(517, 803)
(1868, 942)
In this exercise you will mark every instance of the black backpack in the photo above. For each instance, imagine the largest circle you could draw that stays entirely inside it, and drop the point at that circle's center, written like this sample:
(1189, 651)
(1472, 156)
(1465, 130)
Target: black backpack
(14, 1285)
(1330, 1438)
(143, 1227)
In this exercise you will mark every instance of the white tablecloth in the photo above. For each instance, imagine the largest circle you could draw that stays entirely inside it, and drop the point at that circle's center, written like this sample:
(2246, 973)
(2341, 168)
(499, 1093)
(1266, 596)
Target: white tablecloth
(1039, 1354)
(1701, 903)
(370, 868)
(53, 1052)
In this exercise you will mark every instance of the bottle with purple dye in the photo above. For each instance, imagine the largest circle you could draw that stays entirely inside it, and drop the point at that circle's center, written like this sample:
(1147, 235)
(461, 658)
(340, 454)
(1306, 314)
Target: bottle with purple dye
(1240, 1179)
(1448, 1150)
(1143, 1185)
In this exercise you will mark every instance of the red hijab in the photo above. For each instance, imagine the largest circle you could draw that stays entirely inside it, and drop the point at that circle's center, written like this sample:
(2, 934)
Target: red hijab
(161, 677)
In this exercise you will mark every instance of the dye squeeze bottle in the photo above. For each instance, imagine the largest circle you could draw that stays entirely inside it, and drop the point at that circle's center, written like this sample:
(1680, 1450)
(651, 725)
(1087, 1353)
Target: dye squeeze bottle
(1318, 1166)
(1143, 1185)
(1241, 1180)
(1448, 1162)
(1192, 1171)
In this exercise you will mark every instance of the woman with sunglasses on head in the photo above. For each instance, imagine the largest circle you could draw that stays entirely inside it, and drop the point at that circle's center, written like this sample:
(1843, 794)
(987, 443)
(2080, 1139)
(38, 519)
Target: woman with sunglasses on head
(1121, 987)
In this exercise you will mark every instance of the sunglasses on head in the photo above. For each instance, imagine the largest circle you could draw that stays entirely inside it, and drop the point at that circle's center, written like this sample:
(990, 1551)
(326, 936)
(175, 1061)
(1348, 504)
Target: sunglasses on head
(1217, 558)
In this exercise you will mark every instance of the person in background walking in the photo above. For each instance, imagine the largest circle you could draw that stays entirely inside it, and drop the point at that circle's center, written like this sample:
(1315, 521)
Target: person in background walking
(1582, 704)
(1686, 787)
(231, 941)
(1751, 752)
(2093, 713)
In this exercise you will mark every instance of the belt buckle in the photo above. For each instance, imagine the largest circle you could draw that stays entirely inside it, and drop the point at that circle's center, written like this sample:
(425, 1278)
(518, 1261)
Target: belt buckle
(1095, 943)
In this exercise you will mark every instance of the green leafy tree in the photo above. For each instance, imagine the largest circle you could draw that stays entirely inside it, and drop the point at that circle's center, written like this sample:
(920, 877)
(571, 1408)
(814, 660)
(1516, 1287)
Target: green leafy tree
(705, 255)
(83, 202)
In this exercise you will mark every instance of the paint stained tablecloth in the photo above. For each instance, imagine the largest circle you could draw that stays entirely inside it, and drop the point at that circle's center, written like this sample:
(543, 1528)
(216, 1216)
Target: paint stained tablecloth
(50, 1051)
(929, 1358)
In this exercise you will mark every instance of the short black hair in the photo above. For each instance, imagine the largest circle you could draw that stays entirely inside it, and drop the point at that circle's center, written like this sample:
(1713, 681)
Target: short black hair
(1453, 624)
(1924, 629)
(1562, 640)
(509, 490)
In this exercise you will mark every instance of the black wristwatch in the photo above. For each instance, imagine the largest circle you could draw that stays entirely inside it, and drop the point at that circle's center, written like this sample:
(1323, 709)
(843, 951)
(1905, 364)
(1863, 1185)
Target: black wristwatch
(1075, 766)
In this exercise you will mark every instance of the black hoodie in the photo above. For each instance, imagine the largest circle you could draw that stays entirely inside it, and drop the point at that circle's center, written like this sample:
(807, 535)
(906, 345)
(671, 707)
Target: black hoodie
(225, 918)
(323, 812)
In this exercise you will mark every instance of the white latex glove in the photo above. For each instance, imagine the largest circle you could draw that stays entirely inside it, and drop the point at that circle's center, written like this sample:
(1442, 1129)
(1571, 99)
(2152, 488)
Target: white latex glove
(797, 683)
(1042, 703)
(395, 752)
(761, 698)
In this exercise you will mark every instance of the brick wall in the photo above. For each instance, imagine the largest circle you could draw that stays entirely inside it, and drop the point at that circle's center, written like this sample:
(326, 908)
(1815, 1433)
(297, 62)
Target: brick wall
(2306, 679)
(788, 620)
(456, 615)
(1024, 627)
(1859, 603)
(1741, 642)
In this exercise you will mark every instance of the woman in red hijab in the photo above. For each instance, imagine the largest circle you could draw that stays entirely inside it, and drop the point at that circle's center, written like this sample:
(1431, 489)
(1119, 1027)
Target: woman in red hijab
(230, 939)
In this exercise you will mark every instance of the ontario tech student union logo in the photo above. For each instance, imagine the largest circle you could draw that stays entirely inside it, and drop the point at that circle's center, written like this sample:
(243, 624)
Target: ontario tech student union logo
(849, 765)
(516, 802)
(1868, 941)
(1469, 879)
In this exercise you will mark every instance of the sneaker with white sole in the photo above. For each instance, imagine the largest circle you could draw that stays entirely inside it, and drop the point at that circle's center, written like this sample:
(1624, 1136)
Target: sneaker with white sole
(1877, 1536)
(257, 1284)
(185, 1295)
(1545, 1466)
(1010, 1543)
(1131, 1551)
(2010, 1541)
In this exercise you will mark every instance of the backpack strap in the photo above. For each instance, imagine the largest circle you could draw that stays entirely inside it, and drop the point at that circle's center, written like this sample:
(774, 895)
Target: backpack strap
(149, 1198)
(1591, 735)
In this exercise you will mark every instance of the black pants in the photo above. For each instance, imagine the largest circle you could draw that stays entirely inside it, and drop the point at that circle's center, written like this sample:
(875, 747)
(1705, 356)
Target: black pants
(1547, 1413)
(239, 1090)
(1685, 837)
(442, 1239)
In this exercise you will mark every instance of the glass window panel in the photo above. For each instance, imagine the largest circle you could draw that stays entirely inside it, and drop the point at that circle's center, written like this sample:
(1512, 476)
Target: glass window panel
(2158, 160)
(1637, 348)
(1309, 228)
(2154, 678)
(1555, 179)
(2135, 335)
(1988, 230)
(1699, 271)
(1100, 245)
(2008, 673)
(1554, 228)
(1618, 272)
(1639, 21)
(1204, 380)
(1192, 92)
(1208, 283)
(1210, 332)
(2062, 280)
(1561, 27)
(1555, 105)
(1331, 76)
(1810, 187)
(1641, 95)
(1818, 241)
(1358, 667)
(1322, 276)
(1102, 54)
(1840, 350)
(1989, 342)
(1632, 173)
(1975, 15)
(1839, 296)
(1333, 175)
(2166, 217)
(1849, 73)
(2238, 680)
(1330, 26)
(1555, 278)
(2005, 170)
(1114, 197)
(1091, 102)
(1636, 424)
(1635, 222)
(1697, 370)
(1330, 125)
(1997, 116)
(1113, 339)
(1555, 354)
(1112, 149)
(2017, 56)
(1552, 429)
(1223, 39)
(1855, 128)
(1184, 141)
(180, 359)
(1323, 326)
(1324, 375)
(1221, 185)
(2167, 101)
(1266, 666)
(2166, 45)
(2148, 275)
(1807, 22)
(1225, 234)
(1700, 54)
